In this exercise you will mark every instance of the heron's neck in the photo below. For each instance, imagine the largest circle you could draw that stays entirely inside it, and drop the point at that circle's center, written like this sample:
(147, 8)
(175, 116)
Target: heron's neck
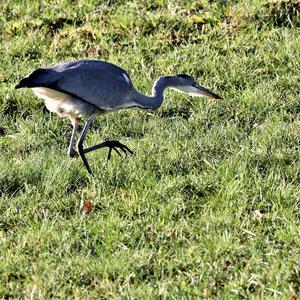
(155, 100)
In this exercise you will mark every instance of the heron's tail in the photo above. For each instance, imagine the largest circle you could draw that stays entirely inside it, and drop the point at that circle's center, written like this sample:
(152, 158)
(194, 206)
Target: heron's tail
(40, 77)
(20, 85)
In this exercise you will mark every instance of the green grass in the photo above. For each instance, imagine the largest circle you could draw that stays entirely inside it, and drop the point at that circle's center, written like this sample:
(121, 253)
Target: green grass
(207, 207)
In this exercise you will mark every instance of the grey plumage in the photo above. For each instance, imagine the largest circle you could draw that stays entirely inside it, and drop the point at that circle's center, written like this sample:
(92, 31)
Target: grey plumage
(87, 88)
(88, 80)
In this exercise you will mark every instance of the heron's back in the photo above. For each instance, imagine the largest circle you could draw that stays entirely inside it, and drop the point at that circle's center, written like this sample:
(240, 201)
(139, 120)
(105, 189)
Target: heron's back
(102, 84)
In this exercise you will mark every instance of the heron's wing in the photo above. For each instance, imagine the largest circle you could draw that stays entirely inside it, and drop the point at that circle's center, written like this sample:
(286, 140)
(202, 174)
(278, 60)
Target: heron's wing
(99, 83)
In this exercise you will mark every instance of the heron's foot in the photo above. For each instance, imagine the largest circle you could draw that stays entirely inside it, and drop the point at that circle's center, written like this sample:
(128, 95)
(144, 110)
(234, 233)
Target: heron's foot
(73, 153)
(112, 145)
(115, 145)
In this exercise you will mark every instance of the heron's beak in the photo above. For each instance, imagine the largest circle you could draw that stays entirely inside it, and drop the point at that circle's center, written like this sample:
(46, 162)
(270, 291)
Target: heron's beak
(201, 91)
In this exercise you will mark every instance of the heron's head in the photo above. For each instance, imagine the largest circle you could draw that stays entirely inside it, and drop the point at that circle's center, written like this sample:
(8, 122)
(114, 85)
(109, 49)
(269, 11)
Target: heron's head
(187, 84)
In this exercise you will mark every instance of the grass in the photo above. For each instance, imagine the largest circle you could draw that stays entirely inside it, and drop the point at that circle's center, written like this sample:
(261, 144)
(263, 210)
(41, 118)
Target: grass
(207, 207)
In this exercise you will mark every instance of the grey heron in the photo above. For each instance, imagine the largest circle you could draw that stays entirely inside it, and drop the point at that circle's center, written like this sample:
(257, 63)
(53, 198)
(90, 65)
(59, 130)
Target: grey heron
(87, 88)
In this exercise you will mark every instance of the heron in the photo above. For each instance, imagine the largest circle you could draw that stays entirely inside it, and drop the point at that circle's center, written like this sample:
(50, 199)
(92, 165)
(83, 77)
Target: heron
(87, 88)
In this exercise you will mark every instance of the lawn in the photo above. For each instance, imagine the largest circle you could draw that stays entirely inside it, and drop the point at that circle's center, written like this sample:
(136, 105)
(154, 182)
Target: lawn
(208, 205)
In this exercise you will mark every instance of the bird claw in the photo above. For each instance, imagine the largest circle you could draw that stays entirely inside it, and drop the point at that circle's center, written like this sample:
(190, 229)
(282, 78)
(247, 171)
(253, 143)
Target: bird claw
(112, 145)
(115, 145)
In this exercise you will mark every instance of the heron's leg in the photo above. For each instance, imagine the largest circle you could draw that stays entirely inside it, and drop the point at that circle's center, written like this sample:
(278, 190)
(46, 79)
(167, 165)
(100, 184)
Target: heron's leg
(71, 151)
(81, 140)
(112, 145)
